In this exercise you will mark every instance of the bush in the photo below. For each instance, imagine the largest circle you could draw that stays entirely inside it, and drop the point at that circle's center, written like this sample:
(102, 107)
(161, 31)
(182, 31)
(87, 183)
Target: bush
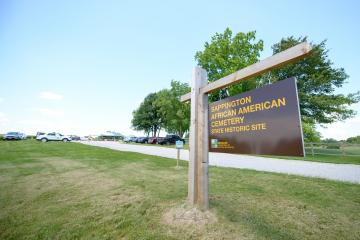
(333, 146)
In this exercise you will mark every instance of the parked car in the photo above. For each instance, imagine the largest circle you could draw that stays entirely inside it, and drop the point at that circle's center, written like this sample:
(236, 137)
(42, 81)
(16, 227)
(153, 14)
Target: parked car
(53, 137)
(153, 140)
(170, 139)
(39, 133)
(75, 138)
(142, 140)
(13, 136)
(23, 136)
(130, 139)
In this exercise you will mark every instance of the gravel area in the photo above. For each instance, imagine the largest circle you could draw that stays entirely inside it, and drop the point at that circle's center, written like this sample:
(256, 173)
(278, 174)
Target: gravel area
(340, 172)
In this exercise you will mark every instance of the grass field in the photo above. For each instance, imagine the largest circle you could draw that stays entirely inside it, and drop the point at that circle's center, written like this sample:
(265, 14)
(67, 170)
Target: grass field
(71, 191)
(347, 159)
(325, 158)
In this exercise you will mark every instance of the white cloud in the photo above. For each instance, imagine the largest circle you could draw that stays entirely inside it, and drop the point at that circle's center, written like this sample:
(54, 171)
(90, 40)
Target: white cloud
(48, 95)
(342, 130)
(1, 99)
(51, 112)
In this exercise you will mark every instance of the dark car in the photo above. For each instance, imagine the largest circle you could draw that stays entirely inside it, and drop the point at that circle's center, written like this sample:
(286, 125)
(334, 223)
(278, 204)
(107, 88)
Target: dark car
(170, 139)
(142, 140)
(153, 140)
(13, 136)
(75, 138)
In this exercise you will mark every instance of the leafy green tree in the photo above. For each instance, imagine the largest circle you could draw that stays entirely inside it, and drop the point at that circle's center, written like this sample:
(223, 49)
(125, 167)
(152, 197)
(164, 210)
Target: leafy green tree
(353, 140)
(317, 80)
(175, 115)
(330, 140)
(147, 117)
(226, 54)
(310, 133)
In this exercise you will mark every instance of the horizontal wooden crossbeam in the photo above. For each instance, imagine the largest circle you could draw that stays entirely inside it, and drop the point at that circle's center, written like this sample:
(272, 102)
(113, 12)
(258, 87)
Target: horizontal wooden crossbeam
(285, 57)
(185, 97)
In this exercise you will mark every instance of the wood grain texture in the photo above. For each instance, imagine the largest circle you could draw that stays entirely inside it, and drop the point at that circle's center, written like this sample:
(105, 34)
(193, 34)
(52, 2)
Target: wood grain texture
(185, 97)
(199, 154)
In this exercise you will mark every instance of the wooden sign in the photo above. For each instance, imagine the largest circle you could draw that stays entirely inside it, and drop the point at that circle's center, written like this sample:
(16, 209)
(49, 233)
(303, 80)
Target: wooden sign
(262, 121)
(199, 134)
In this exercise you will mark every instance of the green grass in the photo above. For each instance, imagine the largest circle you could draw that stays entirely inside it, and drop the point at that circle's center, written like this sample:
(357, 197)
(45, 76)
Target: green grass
(73, 191)
(324, 158)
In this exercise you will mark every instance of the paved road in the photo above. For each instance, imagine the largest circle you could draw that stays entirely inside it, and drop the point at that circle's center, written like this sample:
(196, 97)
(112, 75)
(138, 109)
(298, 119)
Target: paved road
(340, 172)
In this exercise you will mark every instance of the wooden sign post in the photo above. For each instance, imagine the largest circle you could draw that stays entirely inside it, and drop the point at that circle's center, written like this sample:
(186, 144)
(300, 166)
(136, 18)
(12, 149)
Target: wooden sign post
(199, 135)
(198, 142)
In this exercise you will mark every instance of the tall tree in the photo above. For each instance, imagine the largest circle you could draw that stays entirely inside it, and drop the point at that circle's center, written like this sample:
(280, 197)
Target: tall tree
(175, 115)
(317, 80)
(147, 117)
(226, 54)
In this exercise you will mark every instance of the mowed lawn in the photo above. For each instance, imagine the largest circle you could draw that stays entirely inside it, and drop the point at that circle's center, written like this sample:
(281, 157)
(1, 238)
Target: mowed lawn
(71, 191)
(339, 159)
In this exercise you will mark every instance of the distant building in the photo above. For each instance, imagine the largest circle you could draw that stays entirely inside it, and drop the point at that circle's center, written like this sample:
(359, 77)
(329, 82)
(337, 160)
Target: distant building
(110, 135)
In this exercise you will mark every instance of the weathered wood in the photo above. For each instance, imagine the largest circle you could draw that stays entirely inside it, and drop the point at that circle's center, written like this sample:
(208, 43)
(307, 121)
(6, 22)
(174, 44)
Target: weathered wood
(195, 90)
(185, 97)
(285, 57)
(203, 148)
(198, 176)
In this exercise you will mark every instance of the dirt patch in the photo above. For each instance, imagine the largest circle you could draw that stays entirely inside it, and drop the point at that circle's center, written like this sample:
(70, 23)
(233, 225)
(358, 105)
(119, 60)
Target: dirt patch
(185, 215)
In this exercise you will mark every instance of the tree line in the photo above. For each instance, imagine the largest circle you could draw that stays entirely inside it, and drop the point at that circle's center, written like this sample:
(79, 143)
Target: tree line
(317, 80)
(163, 110)
(350, 140)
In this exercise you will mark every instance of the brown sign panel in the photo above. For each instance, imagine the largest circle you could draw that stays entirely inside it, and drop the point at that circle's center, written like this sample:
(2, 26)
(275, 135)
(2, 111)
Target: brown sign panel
(262, 121)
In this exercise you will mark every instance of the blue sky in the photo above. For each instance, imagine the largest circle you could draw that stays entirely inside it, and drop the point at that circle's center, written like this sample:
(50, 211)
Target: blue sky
(82, 67)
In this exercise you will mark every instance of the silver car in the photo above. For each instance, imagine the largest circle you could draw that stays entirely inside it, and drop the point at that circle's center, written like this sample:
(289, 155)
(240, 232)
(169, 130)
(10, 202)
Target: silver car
(53, 137)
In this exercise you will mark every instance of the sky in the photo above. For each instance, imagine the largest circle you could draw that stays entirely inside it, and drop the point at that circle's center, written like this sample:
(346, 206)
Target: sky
(82, 67)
